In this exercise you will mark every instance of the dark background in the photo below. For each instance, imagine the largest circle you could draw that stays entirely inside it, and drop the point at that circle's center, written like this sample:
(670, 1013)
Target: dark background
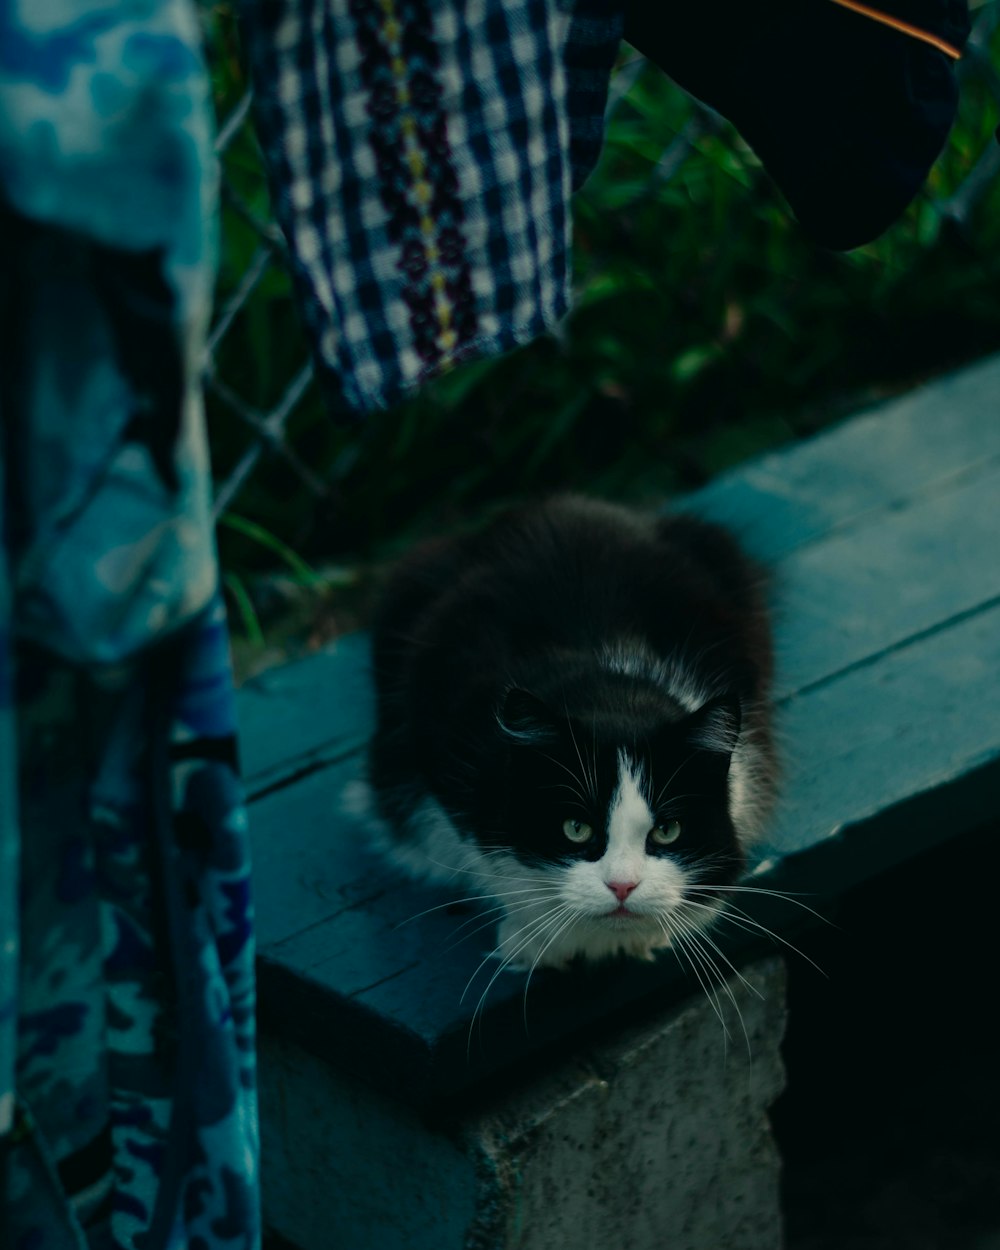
(890, 1124)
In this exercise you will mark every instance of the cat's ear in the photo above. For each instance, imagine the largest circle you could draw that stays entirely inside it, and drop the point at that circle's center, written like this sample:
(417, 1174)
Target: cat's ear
(715, 726)
(525, 718)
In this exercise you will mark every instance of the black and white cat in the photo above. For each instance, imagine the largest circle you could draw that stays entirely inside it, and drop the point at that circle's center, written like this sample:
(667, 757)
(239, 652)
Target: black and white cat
(573, 722)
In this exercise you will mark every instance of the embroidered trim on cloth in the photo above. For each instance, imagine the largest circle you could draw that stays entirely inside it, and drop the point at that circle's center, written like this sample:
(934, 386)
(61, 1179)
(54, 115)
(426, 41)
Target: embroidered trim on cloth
(418, 185)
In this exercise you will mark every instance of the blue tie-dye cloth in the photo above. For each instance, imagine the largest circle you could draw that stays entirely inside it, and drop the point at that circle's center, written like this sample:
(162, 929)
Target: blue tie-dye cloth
(127, 1079)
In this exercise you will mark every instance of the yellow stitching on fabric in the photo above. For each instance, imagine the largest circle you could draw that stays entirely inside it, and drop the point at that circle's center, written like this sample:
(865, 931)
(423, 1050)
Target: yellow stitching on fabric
(906, 28)
(420, 191)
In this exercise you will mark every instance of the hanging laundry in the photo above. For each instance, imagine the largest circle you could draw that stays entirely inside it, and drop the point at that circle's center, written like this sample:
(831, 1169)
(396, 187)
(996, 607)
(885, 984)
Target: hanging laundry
(422, 155)
(127, 1069)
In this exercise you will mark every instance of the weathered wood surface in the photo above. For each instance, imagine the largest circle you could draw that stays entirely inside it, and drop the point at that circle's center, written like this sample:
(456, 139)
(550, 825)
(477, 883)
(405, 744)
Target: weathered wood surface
(653, 1135)
(885, 541)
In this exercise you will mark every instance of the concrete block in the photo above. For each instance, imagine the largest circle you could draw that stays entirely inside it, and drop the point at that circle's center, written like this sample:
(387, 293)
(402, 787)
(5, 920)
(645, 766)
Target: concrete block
(653, 1138)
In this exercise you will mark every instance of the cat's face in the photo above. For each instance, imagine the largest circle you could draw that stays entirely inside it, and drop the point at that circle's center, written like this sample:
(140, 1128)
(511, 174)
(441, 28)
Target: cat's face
(600, 843)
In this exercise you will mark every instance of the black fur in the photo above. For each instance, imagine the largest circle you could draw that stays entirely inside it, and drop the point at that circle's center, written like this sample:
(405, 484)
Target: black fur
(558, 637)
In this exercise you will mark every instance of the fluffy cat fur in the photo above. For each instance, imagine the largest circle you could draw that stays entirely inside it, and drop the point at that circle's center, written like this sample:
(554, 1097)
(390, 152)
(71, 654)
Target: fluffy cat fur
(573, 722)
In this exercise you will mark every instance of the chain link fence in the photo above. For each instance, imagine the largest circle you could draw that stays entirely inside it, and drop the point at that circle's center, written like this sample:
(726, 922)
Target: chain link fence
(272, 443)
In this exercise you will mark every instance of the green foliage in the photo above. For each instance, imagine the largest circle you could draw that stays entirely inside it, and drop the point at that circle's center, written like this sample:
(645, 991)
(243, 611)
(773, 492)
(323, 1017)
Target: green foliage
(303, 572)
(240, 599)
(706, 327)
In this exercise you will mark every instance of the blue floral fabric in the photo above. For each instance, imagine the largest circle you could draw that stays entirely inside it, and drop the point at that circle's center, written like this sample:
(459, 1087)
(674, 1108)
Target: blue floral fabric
(127, 1080)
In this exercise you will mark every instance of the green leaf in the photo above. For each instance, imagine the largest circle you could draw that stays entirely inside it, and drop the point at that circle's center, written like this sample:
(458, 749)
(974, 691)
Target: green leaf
(690, 363)
(244, 605)
(257, 533)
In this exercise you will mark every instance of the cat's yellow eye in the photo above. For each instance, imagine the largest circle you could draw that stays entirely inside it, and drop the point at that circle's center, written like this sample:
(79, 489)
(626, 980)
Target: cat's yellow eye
(577, 830)
(666, 833)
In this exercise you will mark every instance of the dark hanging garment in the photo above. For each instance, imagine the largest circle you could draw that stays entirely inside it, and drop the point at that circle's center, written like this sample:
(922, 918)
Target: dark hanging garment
(846, 104)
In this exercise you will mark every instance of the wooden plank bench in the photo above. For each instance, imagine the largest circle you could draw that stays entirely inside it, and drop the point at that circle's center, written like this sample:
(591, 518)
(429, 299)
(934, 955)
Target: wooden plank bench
(388, 1120)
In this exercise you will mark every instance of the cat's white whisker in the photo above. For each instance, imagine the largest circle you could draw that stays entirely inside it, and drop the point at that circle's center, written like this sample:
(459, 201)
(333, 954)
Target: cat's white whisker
(487, 920)
(747, 923)
(697, 940)
(705, 937)
(530, 928)
(578, 795)
(586, 780)
(580, 782)
(675, 799)
(591, 767)
(723, 981)
(570, 920)
(666, 785)
(506, 878)
(754, 889)
(679, 943)
(537, 890)
(534, 930)
(500, 912)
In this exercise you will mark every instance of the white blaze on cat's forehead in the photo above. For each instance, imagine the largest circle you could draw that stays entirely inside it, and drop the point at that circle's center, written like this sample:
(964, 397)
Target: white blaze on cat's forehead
(629, 816)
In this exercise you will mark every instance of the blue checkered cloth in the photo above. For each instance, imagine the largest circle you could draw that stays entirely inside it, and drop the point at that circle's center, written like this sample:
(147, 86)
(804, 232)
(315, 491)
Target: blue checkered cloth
(422, 158)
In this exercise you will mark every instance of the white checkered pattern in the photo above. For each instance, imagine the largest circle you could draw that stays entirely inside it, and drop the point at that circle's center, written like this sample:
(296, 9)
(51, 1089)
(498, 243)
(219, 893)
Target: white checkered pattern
(499, 68)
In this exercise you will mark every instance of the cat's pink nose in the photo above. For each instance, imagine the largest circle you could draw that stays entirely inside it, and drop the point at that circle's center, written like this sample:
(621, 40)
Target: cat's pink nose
(621, 889)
